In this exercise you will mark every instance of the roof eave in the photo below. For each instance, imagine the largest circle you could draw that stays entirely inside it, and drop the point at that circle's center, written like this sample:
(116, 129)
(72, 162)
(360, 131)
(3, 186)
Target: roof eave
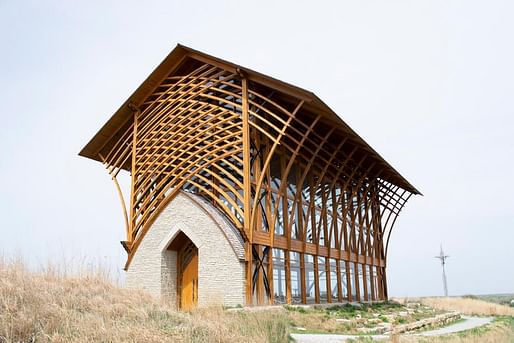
(175, 57)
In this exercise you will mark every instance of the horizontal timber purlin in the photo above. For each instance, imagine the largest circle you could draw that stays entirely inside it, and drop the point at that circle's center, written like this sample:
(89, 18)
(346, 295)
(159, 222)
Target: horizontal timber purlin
(289, 177)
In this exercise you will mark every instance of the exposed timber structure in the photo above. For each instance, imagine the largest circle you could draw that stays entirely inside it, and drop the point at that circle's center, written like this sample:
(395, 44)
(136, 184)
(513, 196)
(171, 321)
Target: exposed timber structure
(313, 202)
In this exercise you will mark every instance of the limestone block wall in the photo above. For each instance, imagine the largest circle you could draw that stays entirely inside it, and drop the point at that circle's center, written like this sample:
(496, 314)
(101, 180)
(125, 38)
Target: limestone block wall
(221, 278)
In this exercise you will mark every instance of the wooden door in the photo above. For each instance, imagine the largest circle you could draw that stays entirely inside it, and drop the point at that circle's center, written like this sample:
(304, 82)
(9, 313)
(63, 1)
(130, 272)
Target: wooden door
(188, 262)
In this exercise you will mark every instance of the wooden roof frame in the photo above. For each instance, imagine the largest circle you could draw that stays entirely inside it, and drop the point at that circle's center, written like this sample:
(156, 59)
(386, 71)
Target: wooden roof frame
(180, 53)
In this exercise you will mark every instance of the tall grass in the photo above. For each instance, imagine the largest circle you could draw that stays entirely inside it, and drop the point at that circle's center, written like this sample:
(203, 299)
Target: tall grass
(469, 306)
(55, 305)
(501, 331)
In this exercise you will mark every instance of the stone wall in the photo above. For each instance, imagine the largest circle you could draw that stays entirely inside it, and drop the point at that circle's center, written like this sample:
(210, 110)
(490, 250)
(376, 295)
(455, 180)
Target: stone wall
(220, 258)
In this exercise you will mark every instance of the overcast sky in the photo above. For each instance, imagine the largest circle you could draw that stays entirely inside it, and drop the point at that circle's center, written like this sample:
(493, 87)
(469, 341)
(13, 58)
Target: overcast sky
(429, 84)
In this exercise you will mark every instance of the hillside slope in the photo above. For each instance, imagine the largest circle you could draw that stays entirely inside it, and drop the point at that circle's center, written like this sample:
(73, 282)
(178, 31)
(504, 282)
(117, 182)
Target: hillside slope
(51, 307)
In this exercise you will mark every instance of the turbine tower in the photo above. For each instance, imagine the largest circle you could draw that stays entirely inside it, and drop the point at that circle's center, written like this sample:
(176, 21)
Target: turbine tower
(443, 258)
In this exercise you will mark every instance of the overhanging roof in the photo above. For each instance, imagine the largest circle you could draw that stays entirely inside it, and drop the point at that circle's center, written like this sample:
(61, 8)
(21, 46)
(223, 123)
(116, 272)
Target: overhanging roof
(173, 60)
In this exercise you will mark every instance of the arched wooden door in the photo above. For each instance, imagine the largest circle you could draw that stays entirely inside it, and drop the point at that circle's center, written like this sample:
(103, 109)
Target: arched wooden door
(188, 276)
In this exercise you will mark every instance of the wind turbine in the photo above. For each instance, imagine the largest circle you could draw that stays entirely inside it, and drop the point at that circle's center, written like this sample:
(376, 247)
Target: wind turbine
(443, 258)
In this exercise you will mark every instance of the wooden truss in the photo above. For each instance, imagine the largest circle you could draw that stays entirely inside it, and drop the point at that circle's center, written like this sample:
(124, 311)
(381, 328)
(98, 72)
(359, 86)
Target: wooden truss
(313, 202)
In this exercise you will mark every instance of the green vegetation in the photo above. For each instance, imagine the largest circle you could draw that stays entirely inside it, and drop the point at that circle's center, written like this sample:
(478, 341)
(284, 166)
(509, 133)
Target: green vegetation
(356, 319)
(52, 307)
(500, 331)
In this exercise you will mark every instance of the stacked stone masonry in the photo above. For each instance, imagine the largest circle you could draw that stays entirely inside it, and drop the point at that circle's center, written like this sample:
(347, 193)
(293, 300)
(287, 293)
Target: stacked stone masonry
(220, 254)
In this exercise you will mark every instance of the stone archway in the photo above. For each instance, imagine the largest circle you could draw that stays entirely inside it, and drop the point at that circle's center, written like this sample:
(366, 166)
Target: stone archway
(187, 271)
(220, 266)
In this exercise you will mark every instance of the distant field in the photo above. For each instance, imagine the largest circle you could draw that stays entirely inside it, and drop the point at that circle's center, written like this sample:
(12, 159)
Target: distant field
(503, 299)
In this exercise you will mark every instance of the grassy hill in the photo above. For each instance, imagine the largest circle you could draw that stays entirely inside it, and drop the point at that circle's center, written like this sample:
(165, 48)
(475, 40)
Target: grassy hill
(53, 306)
(48, 306)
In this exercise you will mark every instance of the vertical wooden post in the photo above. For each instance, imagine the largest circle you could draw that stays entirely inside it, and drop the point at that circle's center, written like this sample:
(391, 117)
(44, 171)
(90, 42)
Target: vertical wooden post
(339, 281)
(270, 276)
(384, 283)
(247, 188)
(256, 173)
(287, 268)
(328, 280)
(271, 226)
(130, 235)
(357, 281)
(326, 238)
(316, 280)
(285, 221)
(249, 264)
(301, 235)
(365, 280)
(259, 287)
(303, 275)
(335, 227)
(349, 287)
(246, 161)
(361, 197)
(372, 282)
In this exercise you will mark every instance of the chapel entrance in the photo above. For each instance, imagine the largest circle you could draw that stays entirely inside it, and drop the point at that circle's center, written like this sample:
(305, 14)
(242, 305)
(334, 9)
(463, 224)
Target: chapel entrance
(188, 276)
(187, 271)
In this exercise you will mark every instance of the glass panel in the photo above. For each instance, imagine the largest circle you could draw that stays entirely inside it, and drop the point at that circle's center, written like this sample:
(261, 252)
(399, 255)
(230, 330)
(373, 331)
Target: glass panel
(344, 287)
(279, 222)
(264, 271)
(319, 228)
(322, 278)
(293, 224)
(296, 284)
(369, 272)
(333, 279)
(262, 210)
(361, 281)
(275, 182)
(375, 280)
(291, 186)
(340, 231)
(308, 223)
(309, 278)
(279, 276)
(331, 229)
(352, 281)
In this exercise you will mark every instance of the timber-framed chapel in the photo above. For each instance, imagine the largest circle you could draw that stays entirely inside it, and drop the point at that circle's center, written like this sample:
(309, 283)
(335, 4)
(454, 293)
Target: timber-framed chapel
(246, 190)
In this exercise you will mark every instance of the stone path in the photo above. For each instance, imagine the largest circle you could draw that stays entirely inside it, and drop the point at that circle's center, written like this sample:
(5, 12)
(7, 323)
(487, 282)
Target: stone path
(467, 324)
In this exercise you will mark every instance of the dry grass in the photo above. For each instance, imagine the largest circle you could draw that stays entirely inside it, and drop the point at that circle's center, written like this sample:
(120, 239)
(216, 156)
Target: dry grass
(469, 306)
(501, 331)
(54, 305)
(47, 306)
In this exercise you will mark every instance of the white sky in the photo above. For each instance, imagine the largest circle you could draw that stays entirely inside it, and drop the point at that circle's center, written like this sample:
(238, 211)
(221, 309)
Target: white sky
(429, 84)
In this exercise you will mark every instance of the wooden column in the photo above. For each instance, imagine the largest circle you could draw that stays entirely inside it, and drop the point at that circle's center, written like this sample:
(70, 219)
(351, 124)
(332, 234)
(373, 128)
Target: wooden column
(133, 174)
(287, 269)
(339, 281)
(247, 189)
(316, 280)
(348, 281)
(327, 277)
(270, 276)
(259, 289)
(303, 275)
